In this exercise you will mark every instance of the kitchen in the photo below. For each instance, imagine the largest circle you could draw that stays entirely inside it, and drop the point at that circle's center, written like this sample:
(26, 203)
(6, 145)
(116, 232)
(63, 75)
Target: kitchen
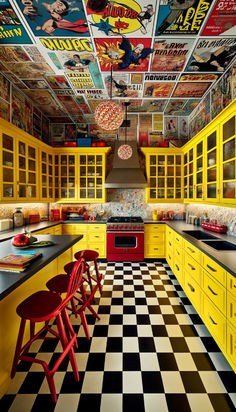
(153, 197)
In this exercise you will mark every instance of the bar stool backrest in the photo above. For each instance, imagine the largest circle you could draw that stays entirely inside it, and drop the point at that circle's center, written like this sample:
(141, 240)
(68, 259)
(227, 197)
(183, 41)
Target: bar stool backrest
(76, 279)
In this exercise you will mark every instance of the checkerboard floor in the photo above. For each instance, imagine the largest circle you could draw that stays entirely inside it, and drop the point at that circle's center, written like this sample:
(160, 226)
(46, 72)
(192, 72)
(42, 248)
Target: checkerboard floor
(149, 352)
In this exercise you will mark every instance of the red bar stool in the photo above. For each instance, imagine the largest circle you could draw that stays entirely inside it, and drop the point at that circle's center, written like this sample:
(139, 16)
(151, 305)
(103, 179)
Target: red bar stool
(43, 306)
(91, 256)
(59, 284)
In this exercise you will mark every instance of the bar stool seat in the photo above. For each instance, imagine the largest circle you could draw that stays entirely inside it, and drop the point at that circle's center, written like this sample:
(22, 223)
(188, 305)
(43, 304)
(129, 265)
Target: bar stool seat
(44, 306)
(91, 256)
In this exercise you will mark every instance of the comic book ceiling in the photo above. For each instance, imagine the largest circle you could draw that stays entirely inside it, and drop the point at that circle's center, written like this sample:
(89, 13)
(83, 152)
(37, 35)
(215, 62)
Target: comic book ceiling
(165, 54)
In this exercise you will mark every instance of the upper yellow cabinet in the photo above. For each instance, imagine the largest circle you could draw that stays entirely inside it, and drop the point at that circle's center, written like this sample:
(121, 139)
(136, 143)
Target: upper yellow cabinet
(228, 160)
(164, 175)
(46, 176)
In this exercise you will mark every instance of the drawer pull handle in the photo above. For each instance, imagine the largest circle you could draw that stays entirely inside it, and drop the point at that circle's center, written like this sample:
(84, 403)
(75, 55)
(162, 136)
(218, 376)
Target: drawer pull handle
(96, 236)
(191, 267)
(235, 286)
(212, 291)
(178, 252)
(156, 236)
(214, 323)
(156, 248)
(177, 267)
(191, 287)
(191, 250)
(177, 239)
(169, 257)
(170, 244)
(212, 269)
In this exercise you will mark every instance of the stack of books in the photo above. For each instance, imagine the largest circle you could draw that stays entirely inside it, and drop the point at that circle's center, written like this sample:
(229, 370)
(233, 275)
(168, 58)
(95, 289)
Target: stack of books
(19, 261)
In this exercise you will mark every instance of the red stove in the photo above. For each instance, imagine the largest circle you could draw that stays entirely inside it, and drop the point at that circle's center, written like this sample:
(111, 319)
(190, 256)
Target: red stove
(125, 238)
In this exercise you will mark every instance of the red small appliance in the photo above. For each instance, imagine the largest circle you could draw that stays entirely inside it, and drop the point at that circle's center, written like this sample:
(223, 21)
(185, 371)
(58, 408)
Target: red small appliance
(55, 214)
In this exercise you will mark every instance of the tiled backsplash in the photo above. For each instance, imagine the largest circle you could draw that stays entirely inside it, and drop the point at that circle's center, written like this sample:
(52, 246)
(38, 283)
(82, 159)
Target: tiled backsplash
(7, 210)
(223, 215)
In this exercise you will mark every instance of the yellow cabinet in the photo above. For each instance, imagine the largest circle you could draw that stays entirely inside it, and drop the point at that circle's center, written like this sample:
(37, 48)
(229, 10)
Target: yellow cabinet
(46, 176)
(97, 238)
(193, 291)
(192, 267)
(67, 163)
(231, 345)
(193, 251)
(198, 169)
(164, 175)
(154, 241)
(231, 309)
(188, 174)
(228, 160)
(8, 168)
(212, 189)
(214, 269)
(215, 321)
(215, 292)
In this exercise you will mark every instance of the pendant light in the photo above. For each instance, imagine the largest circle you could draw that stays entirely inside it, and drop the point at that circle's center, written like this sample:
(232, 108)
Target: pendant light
(125, 150)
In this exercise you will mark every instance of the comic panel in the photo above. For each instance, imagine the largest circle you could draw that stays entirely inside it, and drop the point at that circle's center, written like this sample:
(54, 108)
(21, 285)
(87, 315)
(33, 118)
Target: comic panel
(222, 20)
(181, 16)
(170, 55)
(74, 55)
(35, 84)
(119, 85)
(125, 54)
(158, 89)
(45, 102)
(13, 54)
(32, 71)
(5, 88)
(55, 18)
(174, 107)
(193, 89)
(127, 17)
(204, 77)
(57, 82)
(212, 55)
(12, 30)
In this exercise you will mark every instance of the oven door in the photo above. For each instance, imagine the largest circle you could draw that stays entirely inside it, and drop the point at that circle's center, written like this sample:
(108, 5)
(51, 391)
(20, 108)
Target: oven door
(125, 245)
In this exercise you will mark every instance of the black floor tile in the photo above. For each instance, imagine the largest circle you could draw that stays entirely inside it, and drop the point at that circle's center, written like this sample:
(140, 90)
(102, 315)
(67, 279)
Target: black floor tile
(130, 330)
(96, 362)
(188, 330)
(159, 330)
(143, 320)
(192, 382)
(6, 402)
(133, 402)
(203, 362)
(170, 319)
(179, 345)
(114, 345)
(105, 309)
(146, 344)
(152, 382)
(154, 309)
(177, 402)
(100, 330)
(129, 310)
(229, 380)
(69, 384)
(89, 402)
(167, 362)
(210, 344)
(131, 362)
(116, 320)
(112, 382)
(221, 402)
(140, 301)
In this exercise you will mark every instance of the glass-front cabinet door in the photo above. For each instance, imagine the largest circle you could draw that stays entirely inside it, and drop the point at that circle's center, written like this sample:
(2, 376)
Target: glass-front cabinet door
(211, 169)
(91, 177)
(67, 176)
(228, 161)
(8, 180)
(164, 173)
(198, 171)
(188, 175)
(27, 170)
(46, 176)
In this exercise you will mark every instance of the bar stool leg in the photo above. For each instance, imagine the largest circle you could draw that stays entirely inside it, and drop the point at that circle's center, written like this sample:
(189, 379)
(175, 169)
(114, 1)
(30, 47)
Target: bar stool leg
(18, 347)
(99, 276)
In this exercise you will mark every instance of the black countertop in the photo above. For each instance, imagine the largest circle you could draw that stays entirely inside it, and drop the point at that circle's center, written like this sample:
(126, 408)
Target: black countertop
(225, 258)
(10, 281)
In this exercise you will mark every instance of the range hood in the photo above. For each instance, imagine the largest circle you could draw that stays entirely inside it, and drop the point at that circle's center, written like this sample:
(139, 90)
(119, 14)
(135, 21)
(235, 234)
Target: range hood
(126, 174)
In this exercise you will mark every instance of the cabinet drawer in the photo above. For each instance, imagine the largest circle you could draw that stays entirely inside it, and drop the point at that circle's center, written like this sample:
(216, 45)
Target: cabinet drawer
(215, 292)
(170, 259)
(57, 230)
(99, 247)
(156, 228)
(178, 270)
(74, 229)
(169, 233)
(96, 228)
(231, 309)
(154, 237)
(178, 252)
(193, 291)
(192, 267)
(231, 344)
(214, 269)
(231, 284)
(170, 244)
(156, 250)
(214, 320)
(96, 237)
(178, 240)
(192, 251)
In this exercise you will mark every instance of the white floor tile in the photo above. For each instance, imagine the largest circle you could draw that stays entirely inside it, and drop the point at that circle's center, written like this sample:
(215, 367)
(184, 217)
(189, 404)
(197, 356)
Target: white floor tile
(163, 344)
(155, 402)
(195, 344)
(172, 382)
(185, 362)
(129, 319)
(22, 402)
(115, 330)
(132, 382)
(98, 344)
(212, 382)
(199, 402)
(92, 382)
(130, 344)
(17, 381)
(65, 400)
(144, 330)
(174, 331)
(111, 402)
(113, 362)
(149, 361)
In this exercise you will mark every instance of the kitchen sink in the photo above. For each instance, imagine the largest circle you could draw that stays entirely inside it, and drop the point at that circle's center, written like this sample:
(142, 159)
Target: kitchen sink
(220, 244)
(199, 234)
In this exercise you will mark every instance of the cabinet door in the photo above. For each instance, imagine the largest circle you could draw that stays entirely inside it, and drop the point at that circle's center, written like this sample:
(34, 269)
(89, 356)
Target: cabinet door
(27, 157)
(188, 175)
(164, 173)
(67, 177)
(228, 161)
(8, 181)
(91, 178)
(46, 176)
(212, 166)
(198, 171)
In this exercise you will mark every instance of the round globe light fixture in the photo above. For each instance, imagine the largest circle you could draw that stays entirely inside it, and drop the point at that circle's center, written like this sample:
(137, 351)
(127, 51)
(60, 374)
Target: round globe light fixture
(109, 115)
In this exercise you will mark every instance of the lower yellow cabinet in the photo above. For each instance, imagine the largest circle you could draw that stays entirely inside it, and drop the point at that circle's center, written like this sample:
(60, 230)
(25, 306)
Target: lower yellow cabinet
(231, 344)
(154, 241)
(215, 321)
(193, 291)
